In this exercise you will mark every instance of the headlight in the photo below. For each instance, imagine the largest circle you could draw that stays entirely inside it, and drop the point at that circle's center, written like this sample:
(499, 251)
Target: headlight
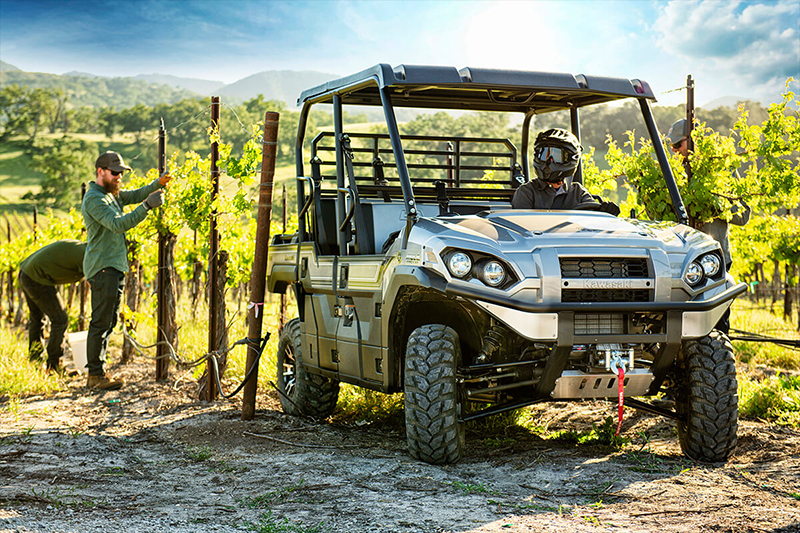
(459, 264)
(710, 264)
(493, 273)
(694, 274)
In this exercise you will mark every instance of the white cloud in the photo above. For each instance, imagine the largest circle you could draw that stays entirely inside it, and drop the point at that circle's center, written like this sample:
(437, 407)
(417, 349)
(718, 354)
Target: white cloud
(735, 47)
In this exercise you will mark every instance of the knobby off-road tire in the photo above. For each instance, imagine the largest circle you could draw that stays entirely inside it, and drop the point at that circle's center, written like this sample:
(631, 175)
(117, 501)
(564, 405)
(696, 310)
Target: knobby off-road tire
(302, 393)
(431, 401)
(710, 401)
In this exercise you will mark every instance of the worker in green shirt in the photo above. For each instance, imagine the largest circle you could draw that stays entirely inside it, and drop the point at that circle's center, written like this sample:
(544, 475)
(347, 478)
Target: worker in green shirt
(106, 259)
(40, 273)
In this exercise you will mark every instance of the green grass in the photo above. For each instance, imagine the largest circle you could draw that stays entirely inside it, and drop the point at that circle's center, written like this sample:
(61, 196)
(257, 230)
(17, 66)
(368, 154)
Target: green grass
(61, 498)
(360, 406)
(469, 488)
(17, 177)
(269, 524)
(602, 435)
(747, 316)
(201, 454)
(15, 169)
(776, 398)
(273, 497)
(18, 375)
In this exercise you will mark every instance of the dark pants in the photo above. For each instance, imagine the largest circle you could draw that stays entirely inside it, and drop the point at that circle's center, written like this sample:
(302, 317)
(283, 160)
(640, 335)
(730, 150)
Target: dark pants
(44, 301)
(107, 286)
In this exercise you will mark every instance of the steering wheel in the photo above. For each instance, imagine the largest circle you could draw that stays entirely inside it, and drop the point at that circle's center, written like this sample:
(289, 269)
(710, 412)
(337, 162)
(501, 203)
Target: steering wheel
(586, 206)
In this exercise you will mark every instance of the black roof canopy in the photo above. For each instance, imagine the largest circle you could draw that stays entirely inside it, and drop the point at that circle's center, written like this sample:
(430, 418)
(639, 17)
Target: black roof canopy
(476, 89)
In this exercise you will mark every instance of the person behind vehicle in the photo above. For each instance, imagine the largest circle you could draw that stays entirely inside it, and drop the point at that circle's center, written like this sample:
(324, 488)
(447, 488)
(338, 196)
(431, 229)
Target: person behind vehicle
(678, 138)
(106, 260)
(717, 228)
(40, 273)
(556, 154)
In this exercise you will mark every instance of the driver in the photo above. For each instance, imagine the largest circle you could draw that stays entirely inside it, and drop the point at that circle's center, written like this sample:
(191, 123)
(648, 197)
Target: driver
(556, 154)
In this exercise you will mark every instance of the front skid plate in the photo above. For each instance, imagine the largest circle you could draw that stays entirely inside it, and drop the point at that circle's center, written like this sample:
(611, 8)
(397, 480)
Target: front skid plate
(574, 384)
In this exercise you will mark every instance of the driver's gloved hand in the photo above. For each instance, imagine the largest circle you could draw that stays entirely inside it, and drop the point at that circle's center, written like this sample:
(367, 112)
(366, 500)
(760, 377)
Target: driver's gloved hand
(609, 207)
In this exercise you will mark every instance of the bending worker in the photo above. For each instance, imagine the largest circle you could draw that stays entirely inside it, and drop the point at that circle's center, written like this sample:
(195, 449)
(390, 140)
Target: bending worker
(556, 154)
(40, 273)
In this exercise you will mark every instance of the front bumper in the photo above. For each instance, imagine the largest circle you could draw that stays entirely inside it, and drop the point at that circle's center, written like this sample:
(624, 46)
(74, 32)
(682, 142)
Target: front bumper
(544, 321)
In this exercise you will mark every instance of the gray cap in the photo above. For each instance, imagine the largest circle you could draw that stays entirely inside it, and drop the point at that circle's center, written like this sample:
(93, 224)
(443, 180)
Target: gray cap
(677, 132)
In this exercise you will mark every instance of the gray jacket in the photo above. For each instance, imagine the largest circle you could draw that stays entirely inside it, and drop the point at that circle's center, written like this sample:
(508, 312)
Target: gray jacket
(538, 194)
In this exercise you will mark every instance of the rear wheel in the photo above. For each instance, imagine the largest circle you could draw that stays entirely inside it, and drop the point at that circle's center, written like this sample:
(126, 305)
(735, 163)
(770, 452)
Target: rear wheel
(302, 393)
(710, 401)
(432, 407)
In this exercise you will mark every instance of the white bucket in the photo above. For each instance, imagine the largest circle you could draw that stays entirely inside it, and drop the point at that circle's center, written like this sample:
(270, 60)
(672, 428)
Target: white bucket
(77, 342)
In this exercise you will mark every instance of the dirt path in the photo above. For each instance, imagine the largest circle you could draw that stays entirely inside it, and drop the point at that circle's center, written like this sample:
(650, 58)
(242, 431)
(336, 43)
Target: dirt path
(150, 458)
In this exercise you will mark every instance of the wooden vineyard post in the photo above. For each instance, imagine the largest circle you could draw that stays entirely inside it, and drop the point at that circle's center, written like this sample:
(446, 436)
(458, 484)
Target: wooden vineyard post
(166, 332)
(213, 251)
(259, 274)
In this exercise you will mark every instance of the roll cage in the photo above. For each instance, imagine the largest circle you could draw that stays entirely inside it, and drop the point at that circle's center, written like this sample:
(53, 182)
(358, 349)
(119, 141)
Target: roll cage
(473, 89)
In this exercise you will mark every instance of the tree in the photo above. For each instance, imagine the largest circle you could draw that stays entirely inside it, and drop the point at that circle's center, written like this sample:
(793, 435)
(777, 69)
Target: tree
(772, 150)
(185, 122)
(764, 173)
(57, 113)
(138, 120)
(82, 120)
(66, 163)
(13, 110)
(108, 122)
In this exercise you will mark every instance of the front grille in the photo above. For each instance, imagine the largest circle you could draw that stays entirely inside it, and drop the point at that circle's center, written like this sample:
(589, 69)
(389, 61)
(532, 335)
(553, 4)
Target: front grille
(605, 295)
(588, 267)
(599, 324)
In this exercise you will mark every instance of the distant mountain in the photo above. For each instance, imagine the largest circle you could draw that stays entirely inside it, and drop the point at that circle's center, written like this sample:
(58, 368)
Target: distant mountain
(284, 85)
(199, 86)
(7, 67)
(726, 101)
(99, 91)
(86, 89)
(82, 74)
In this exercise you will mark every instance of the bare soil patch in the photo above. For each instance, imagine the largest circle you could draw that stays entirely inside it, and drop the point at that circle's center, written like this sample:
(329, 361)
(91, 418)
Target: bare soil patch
(151, 458)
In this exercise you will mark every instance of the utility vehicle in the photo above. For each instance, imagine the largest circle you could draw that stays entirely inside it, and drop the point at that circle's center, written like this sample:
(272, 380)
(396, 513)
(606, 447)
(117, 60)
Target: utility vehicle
(413, 274)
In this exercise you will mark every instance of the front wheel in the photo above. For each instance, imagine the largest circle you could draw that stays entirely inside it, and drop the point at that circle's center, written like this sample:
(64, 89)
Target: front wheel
(431, 400)
(302, 393)
(710, 402)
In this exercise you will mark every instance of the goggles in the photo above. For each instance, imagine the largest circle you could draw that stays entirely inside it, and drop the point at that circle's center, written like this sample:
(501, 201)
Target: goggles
(554, 153)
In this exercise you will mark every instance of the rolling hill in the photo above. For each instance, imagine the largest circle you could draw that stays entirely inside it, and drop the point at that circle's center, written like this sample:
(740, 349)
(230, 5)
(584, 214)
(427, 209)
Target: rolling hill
(87, 89)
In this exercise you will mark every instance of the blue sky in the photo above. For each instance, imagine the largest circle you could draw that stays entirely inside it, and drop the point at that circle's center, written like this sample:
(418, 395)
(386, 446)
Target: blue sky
(744, 49)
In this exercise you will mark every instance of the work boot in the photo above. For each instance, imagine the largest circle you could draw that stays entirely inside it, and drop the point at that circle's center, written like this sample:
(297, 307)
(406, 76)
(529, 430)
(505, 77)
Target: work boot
(102, 382)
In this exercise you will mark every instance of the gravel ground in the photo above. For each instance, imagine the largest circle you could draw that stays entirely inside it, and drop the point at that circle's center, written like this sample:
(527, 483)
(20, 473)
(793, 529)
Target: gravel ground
(151, 458)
